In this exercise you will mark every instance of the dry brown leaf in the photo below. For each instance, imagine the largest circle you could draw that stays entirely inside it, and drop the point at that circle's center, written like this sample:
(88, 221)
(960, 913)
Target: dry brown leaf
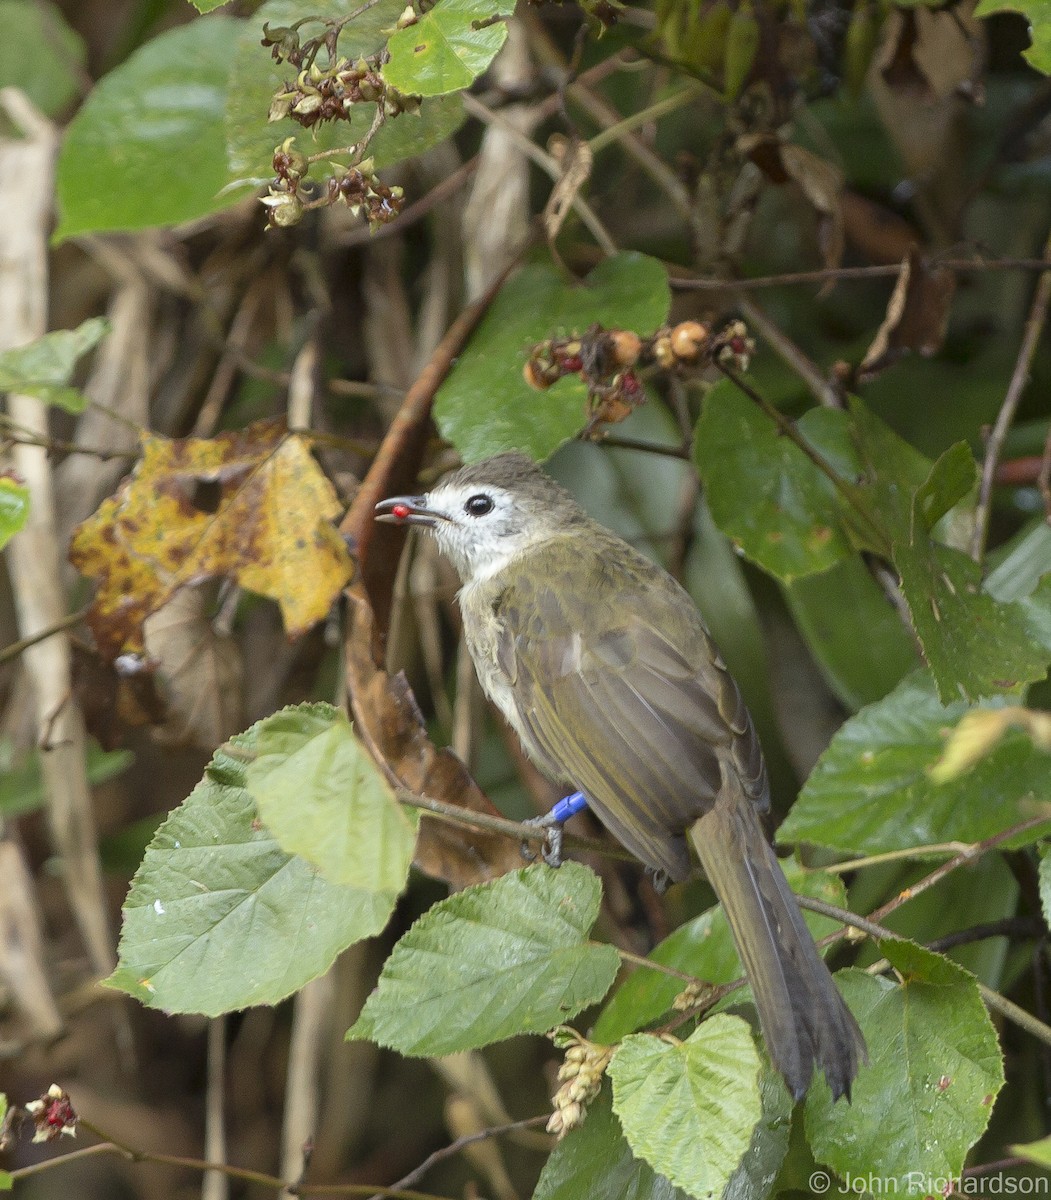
(114, 700)
(820, 182)
(250, 505)
(388, 720)
(575, 159)
(917, 316)
(201, 673)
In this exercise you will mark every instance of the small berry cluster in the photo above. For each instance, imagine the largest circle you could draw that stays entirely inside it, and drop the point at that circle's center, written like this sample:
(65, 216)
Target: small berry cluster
(608, 360)
(357, 187)
(581, 1077)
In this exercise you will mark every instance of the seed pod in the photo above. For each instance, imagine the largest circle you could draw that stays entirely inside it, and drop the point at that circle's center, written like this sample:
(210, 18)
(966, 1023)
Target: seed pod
(625, 346)
(687, 338)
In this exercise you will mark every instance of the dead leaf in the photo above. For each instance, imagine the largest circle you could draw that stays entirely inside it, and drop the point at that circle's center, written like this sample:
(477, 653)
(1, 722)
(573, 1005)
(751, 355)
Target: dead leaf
(575, 159)
(114, 700)
(252, 506)
(388, 720)
(820, 182)
(200, 671)
(917, 316)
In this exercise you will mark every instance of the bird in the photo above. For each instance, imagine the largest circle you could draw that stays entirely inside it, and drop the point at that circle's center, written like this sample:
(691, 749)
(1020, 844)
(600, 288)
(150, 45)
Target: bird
(601, 663)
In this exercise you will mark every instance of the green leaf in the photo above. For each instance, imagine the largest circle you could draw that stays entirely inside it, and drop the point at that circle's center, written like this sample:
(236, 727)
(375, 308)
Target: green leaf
(764, 493)
(14, 507)
(220, 917)
(759, 1168)
(40, 54)
(975, 645)
(595, 1162)
(255, 77)
(703, 948)
(1038, 14)
(490, 962)
(870, 792)
(322, 797)
(1035, 1152)
(830, 609)
(147, 148)
(44, 367)
(934, 1070)
(207, 6)
(448, 48)
(690, 1109)
(485, 405)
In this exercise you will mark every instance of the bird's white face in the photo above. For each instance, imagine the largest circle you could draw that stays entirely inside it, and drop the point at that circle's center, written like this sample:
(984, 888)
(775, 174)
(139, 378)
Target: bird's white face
(479, 527)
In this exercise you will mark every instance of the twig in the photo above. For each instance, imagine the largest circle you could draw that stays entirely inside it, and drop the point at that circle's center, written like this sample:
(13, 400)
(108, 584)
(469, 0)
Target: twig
(113, 1145)
(617, 128)
(215, 1185)
(546, 163)
(825, 392)
(876, 271)
(521, 831)
(877, 860)
(1034, 326)
(849, 493)
(364, 235)
(622, 443)
(1043, 479)
(992, 999)
(1009, 927)
(968, 855)
(417, 1173)
(16, 648)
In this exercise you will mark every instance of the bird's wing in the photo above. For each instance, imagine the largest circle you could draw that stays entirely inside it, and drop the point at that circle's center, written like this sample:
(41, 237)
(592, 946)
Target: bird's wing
(618, 689)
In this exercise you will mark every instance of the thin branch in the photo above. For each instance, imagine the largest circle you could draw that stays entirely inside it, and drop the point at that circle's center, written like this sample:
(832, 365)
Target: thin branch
(639, 960)
(826, 392)
(827, 274)
(16, 648)
(616, 442)
(521, 831)
(124, 1150)
(788, 429)
(1022, 928)
(968, 855)
(992, 999)
(1043, 479)
(468, 1139)
(1019, 378)
(877, 860)
(546, 163)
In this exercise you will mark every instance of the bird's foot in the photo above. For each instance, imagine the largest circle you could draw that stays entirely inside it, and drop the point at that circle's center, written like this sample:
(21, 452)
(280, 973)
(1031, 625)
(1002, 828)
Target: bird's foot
(551, 847)
(661, 879)
(552, 823)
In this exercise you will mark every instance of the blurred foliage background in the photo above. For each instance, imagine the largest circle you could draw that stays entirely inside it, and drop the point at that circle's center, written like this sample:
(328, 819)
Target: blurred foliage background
(777, 163)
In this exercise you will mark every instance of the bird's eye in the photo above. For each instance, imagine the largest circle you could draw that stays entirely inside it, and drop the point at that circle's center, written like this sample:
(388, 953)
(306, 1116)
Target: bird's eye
(478, 506)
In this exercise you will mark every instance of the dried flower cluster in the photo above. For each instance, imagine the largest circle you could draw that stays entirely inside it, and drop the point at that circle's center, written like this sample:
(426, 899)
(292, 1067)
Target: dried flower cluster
(318, 95)
(581, 1077)
(608, 360)
(358, 187)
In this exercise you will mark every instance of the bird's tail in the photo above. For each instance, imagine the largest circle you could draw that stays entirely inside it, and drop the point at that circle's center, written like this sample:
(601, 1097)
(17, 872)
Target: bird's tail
(804, 1020)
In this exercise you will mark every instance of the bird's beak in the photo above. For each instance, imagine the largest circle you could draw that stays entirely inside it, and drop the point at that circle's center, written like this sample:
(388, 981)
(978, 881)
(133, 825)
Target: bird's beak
(408, 510)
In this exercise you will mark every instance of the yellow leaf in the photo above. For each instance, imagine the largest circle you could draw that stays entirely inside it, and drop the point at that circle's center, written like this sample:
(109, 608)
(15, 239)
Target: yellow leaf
(251, 505)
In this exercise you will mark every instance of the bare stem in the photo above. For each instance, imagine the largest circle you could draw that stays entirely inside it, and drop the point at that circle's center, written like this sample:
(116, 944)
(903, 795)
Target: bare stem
(1019, 378)
(876, 271)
